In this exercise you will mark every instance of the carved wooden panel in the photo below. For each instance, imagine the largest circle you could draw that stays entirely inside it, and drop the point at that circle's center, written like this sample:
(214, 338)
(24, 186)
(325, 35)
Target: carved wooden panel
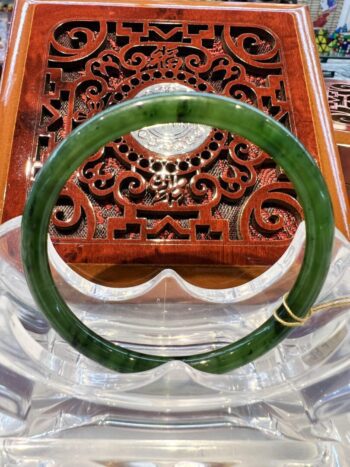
(339, 103)
(147, 186)
(338, 93)
(186, 193)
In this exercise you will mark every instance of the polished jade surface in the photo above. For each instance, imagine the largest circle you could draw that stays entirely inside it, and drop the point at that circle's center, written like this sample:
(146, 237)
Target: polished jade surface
(207, 109)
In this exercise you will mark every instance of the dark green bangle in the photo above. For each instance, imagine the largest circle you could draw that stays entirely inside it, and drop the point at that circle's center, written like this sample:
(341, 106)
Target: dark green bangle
(219, 112)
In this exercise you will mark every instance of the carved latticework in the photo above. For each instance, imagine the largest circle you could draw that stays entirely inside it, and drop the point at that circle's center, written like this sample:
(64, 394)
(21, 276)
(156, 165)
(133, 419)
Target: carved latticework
(339, 102)
(224, 190)
(181, 195)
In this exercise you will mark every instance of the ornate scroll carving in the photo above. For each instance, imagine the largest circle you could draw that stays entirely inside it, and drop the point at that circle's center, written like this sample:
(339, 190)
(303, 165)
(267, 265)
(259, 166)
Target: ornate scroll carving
(224, 190)
(339, 102)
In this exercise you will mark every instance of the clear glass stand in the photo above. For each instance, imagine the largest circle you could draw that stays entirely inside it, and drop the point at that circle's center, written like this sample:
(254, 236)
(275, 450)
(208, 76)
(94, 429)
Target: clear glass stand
(291, 407)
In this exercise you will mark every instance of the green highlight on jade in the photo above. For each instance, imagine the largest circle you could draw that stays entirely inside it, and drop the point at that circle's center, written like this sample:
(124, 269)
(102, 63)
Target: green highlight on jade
(206, 109)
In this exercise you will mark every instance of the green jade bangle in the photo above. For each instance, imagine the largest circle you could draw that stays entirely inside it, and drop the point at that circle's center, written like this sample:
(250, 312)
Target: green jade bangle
(207, 109)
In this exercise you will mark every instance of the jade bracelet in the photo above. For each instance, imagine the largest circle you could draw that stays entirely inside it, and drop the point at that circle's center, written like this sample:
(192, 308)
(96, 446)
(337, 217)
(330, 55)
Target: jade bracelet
(206, 109)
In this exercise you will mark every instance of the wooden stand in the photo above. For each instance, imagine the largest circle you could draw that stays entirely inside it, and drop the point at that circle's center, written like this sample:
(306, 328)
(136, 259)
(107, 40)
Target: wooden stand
(220, 203)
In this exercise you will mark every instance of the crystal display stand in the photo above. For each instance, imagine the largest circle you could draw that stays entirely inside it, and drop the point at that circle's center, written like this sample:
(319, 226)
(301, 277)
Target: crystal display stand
(59, 408)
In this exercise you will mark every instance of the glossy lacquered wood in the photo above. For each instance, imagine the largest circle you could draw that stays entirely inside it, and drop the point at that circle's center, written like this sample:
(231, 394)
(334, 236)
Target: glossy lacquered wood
(29, 90)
